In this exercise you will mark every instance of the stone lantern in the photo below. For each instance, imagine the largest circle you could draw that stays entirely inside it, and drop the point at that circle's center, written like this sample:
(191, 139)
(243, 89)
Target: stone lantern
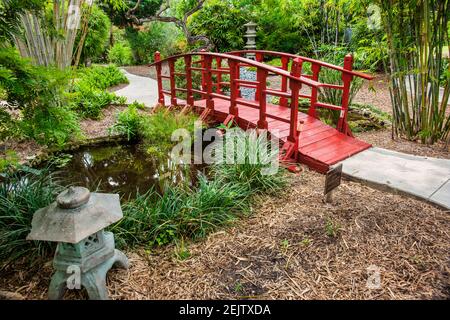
(85, 252)
(250, 34)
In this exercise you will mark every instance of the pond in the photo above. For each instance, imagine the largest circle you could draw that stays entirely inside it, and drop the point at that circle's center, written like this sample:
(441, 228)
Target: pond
(120, 168)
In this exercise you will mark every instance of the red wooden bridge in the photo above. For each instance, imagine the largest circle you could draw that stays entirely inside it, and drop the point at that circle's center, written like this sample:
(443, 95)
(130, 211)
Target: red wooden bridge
(304, 137)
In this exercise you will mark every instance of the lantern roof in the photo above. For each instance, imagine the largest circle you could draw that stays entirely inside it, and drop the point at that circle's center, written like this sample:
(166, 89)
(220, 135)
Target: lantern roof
(75, 215)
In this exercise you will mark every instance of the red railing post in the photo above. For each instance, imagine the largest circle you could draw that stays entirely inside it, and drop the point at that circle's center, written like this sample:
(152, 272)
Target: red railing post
(259, 58)
(207, 62)
(347, 79)
(158, 78)
(261, 76)
(173, 92)
(296, 71)
(219, 75)
(203, 65)
(233, 88)
(284, 82)
(188, 71)
(314, 91)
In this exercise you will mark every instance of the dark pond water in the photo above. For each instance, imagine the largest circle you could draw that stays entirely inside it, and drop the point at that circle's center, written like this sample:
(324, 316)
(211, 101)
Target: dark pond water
(123, 169)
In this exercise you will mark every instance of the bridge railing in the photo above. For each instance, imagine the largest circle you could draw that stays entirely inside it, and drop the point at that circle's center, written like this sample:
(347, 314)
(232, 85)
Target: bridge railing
(210, 88)
(316, 67)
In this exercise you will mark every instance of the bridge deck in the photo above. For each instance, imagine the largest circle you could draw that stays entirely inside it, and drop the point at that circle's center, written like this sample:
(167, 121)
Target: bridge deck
(320, 145)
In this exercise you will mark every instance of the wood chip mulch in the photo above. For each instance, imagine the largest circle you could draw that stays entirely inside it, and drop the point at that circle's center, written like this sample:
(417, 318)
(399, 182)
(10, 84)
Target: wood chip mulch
(293, 247)
(382, 139)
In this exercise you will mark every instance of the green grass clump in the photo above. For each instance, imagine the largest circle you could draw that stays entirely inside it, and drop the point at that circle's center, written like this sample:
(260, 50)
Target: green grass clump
(21, 194)
(251, 165)
(179, 213)
(129, 122)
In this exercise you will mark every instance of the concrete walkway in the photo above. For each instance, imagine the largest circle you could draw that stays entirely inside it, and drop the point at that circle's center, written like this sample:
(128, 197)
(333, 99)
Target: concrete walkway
(425, 178)
(141, 89)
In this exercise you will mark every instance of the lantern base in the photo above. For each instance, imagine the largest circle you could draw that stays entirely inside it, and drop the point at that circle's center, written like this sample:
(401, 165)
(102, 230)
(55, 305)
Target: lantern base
(93, 280)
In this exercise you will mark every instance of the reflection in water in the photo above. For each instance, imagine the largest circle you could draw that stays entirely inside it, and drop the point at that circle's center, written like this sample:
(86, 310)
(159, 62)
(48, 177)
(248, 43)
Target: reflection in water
(124, 169)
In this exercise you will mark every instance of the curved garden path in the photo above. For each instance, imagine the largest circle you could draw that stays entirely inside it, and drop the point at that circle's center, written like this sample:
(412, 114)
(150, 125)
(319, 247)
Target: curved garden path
(422, 177)
(141, 89)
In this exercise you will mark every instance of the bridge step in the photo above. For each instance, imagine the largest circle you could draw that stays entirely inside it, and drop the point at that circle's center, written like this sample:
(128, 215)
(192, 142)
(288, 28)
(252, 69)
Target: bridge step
(320, 145)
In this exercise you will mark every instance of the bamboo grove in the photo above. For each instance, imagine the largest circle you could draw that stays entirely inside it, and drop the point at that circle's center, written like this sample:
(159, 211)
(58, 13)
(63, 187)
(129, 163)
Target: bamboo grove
(417, 33)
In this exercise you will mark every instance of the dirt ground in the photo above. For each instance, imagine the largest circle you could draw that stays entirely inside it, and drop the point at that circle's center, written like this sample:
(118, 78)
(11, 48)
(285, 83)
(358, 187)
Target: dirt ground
(293, 247)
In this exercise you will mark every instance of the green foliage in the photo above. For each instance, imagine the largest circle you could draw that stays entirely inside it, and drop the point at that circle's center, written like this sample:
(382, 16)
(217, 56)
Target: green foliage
(155, 36)
(248, 169)
(10, 23)
(39, 94)
(180, 213)
(97, 38)
(9, 160)
(181, 251)
(154, 130)
(157, 129)
(223, 23)
(52, 126)
(416, 35)
(102, 77)
(138, 105)
(120, 54)
(9, 127)
(278, 31)
(89, 95)
(117, 9)
(129, 123)
(332, 228)
(21, 194)
(26, 85)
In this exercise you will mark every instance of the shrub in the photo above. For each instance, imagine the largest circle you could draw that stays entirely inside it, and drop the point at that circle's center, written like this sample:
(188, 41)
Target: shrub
(39, 94)
(89, 101)
(154, 130)
(52, 125)
(120, 54)
(21, 194)
(223, 23)
(156, 36)
(128, 123)
(89, 95)
(102, 77)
